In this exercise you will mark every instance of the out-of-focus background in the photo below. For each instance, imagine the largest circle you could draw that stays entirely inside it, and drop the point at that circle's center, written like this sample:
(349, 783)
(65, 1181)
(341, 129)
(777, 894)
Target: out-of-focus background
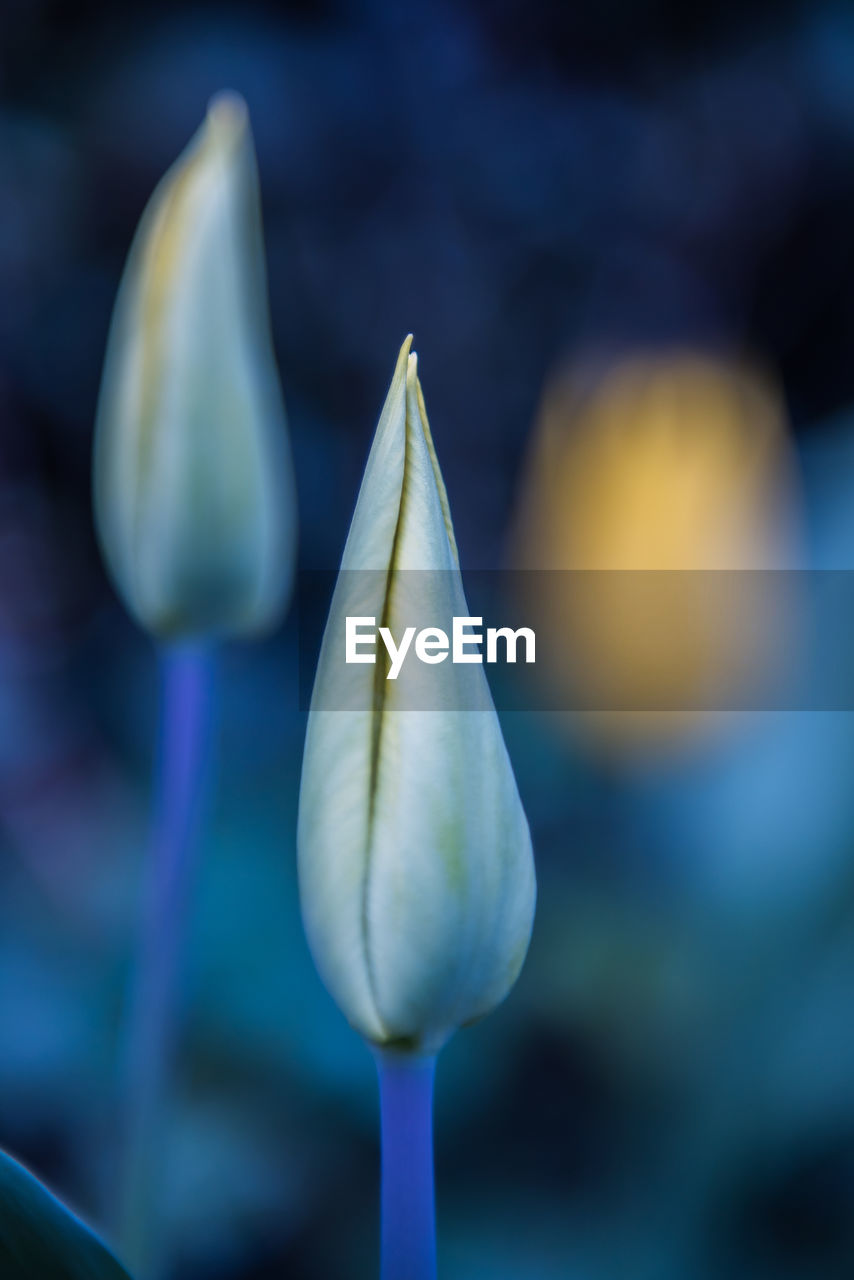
(623, 234)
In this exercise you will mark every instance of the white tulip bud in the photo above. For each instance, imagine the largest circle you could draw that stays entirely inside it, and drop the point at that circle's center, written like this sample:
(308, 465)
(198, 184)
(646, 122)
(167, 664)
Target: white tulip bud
(415, 864)
(194, 491)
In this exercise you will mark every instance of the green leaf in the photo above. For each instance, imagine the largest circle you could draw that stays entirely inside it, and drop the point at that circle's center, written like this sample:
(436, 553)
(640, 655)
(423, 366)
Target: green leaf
(42, 1240)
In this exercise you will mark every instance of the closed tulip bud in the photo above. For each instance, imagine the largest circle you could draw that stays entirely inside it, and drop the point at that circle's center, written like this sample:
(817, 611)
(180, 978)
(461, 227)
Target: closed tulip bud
(194, 493)
(666, 481)
(415, 865)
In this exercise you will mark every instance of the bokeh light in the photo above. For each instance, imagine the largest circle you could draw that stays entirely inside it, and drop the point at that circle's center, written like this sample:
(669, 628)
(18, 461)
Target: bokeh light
(658, 479)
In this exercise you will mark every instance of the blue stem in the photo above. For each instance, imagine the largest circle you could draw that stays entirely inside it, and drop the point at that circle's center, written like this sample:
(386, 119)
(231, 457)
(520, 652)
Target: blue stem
(408, 1233)
(185, 716)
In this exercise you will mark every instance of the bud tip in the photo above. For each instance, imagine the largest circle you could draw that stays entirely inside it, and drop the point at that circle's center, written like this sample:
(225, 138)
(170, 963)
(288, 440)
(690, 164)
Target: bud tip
(227, 117)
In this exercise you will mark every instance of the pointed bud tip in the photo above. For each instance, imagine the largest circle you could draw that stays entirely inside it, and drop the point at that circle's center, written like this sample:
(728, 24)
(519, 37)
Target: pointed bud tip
(227, 117)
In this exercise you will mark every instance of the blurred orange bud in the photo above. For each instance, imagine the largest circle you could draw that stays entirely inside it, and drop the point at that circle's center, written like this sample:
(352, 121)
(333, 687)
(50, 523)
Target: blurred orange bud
(664, 476)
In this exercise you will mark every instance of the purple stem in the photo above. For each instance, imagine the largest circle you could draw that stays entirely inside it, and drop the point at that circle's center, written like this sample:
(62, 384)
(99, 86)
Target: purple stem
(184, 735)
(408, 1232)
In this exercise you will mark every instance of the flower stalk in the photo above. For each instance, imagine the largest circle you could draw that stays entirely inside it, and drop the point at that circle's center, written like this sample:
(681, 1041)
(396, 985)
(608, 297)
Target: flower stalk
(185, 723)
(408, 1216)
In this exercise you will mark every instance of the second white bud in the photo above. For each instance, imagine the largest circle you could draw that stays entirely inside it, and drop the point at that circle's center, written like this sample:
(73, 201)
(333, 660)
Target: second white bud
(416, 872)
(194, 492)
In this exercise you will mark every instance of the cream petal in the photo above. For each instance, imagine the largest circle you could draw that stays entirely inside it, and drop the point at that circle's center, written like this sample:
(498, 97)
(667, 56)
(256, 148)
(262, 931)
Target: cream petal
(416, 871)
(194, 492)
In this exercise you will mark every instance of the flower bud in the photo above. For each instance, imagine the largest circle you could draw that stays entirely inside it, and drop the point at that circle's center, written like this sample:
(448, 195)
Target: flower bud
(194, 492)
(415, 865)
(665, 482)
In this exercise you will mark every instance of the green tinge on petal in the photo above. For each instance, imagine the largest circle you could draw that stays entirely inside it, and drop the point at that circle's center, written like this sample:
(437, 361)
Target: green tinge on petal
(42, 1240)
